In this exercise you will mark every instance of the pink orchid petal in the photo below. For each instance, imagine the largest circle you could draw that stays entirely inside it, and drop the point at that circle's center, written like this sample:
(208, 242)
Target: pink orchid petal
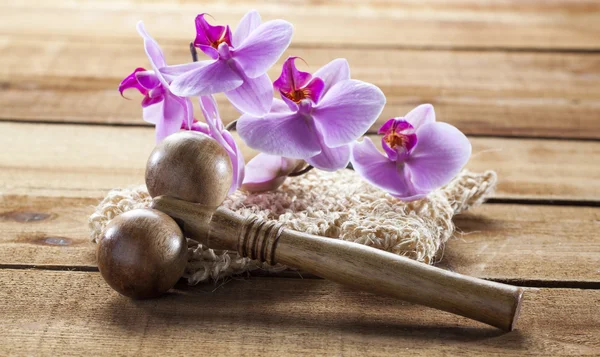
(189, 110)
(196, 126)
(155, 54)
(215, 77)
(347, 111)
(173, 114)
(440, 154)
(248, 23)
(267, 172)
(381, 172)
(209, 51)
(148, 101)
(286, 134)
(131, 81)
(147, 79)
(209, 35)
(291, 78)
(421, 115)
(314, 89)
(254, 97)
(153, 114)
(224, 138)
(237, 161)
(208, 105)
(179, 69)
(290, 104)
(399, 124)
(330, 159)
(263, 47)
(333, 72)
(279, 106)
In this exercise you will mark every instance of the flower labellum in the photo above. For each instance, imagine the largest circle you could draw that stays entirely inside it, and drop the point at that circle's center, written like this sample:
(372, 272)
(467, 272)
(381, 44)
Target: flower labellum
(161, 107)
(421, 155)
(267, 172)
(239, 62)
(317, 118)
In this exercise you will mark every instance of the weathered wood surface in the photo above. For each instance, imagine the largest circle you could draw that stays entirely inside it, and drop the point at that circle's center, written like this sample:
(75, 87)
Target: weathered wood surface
(507, 242)
(74, 313)
(84, 160)
(491, 93)
(498, 68)
(515, 24)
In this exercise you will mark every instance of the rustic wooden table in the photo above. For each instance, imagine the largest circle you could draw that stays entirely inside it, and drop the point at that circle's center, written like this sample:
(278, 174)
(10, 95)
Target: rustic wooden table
(522, 78)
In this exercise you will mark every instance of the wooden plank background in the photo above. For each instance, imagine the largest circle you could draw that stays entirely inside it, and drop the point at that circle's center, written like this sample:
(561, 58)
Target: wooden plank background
(522, 78)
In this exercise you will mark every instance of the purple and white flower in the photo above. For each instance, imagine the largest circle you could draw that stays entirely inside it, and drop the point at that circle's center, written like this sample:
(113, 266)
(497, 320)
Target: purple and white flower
(239, 62)
(318, 117)
(421, 155)
(161, 107)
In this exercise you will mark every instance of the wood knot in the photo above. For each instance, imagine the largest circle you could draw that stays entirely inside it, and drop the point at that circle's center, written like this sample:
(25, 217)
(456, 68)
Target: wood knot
(259, 239)
(55, 241)
(24, 217)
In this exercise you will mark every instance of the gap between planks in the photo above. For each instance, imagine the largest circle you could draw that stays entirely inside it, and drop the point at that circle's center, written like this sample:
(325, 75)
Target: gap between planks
(294, 274)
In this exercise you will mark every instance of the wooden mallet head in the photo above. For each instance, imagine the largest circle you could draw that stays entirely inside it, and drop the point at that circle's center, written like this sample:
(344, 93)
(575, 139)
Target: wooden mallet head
(143, 252)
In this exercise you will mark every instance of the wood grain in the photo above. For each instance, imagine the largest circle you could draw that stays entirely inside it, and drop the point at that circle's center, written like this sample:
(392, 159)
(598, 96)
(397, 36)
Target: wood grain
(500, 241)
(48, 313)
(464, 23)
(499, 93)
(82, 160)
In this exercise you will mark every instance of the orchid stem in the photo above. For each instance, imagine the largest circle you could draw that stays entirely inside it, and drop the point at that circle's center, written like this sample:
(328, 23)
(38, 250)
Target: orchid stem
(194, 52)
(301, 172)
(310, 167)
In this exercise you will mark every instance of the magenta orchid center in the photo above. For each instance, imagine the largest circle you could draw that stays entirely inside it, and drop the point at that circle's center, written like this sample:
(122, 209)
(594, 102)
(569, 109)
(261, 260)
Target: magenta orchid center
(298, 86)
(212, 36)
(146, 83)
(398, 139)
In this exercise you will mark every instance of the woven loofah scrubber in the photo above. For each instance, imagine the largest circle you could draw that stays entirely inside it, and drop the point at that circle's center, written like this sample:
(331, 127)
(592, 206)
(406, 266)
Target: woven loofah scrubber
(336, 205)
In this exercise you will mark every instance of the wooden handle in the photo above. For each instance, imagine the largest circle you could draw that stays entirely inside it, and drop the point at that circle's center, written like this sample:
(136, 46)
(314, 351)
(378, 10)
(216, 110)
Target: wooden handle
(348, 263)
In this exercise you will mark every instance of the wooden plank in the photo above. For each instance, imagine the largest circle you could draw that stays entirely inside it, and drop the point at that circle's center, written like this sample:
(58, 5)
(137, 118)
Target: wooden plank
(464, 23)
(527, 242)
(46, 231)
(83, 160)
(47, 313)
(491, 93)
(500, 241)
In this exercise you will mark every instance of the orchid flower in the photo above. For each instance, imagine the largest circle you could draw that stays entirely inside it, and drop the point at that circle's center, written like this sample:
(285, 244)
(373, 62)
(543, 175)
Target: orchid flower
(420, 155)
(161, 107)
(215, 129)
(239, 62)
(267, 172)
(318, 118)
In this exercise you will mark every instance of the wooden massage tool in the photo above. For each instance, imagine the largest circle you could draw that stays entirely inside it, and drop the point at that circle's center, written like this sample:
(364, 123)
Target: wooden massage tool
(143, 252)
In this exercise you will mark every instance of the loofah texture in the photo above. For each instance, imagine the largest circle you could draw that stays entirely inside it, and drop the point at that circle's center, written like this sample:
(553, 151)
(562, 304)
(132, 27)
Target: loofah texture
(336, 205)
